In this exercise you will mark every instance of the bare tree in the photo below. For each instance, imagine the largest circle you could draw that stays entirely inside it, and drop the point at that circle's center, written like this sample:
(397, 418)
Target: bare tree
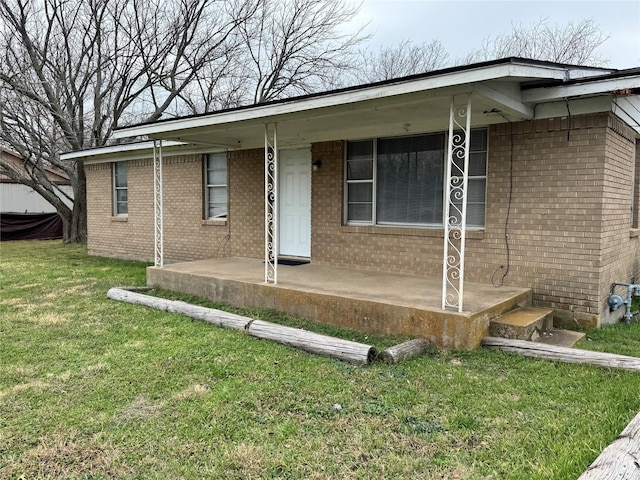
(573, 43)
(400, 60)
(289, 47)
(73, 70)
(296, 46)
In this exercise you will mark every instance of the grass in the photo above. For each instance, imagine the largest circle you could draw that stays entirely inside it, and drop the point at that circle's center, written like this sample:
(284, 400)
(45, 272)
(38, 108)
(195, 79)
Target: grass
(96, 389)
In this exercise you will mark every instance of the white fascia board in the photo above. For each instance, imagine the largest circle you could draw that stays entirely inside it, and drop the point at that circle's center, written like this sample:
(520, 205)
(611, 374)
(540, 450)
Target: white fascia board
(595, 87)
(133, 151)
(266, 113)
(576, 106)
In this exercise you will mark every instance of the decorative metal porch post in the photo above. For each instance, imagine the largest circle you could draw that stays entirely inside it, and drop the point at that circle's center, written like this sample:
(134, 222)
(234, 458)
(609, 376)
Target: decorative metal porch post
(270, 204)
(157, 204)
(455, 218)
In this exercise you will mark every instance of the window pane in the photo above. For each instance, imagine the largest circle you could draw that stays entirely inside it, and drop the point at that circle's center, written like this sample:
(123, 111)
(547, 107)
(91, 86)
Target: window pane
(218, 195)
(360, 169)
(478, 164)
(360, 150)
(476, 190)
(121, 208)
(360, 192)
(120, 174)
(479, 140)
(217, 210)
(121, 195)
(360, 212)
(217, 169)
(475, 215)
(410, 174)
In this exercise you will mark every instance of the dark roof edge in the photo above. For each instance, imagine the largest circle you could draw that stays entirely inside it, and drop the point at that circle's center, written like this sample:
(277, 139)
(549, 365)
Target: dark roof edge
(575, 81)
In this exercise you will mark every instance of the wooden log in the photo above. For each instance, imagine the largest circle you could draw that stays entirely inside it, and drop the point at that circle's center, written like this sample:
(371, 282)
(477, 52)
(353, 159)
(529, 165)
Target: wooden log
(122, 295)
(563, 354)
(324, 345)
(404, 351)
(210, 315)
(621, 459)
(312, 342)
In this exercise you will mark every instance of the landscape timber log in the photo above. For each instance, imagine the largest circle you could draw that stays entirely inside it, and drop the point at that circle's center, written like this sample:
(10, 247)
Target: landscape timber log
(325, 345)
(404, 351)
(209, 315)
(563, 354)
(621, 459)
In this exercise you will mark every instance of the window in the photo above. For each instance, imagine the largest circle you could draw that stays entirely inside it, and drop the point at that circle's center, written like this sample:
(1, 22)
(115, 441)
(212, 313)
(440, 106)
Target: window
(400, 181)
(120, 189)
(216, 186)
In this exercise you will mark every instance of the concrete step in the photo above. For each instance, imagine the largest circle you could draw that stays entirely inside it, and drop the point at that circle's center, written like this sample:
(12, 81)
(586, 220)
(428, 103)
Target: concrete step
(525, 323)
(560, 337)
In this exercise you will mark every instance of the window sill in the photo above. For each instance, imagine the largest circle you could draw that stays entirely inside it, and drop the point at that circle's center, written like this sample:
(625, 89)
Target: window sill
(214, 222)
(120, 218)
(407, 231)
(634, 233)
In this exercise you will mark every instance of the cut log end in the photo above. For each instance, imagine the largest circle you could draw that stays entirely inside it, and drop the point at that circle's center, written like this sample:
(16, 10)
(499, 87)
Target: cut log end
(405, 351)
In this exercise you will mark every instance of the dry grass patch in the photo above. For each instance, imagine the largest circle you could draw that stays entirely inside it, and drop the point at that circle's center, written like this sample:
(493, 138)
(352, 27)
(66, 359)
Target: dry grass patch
(50, 319)
(244, 461)
(36, 385)
(140, 410)
(192, 391)
(66, 455)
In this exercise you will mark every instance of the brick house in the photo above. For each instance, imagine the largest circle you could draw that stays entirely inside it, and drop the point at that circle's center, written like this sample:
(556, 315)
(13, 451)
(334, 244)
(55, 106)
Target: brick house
(551, 199)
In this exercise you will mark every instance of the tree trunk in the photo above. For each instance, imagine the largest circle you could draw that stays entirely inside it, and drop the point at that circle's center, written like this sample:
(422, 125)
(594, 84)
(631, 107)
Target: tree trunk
(75, 224)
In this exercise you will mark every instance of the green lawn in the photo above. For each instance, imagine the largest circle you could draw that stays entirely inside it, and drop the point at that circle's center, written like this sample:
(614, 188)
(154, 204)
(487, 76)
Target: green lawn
(95, 389)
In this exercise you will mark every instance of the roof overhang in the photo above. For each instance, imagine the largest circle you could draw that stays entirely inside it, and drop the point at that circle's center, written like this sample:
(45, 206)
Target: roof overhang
(405, 106)
(504, 90)
(618, 92)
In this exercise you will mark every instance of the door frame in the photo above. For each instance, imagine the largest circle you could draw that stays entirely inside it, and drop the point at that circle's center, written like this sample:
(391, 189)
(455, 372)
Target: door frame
(306, 152)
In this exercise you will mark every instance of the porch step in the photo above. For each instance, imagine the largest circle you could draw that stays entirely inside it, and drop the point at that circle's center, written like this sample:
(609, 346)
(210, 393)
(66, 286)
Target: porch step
(560, 337)
(525, 323)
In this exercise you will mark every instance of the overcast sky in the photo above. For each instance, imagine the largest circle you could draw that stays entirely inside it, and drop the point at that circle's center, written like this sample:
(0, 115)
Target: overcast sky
(461, 26)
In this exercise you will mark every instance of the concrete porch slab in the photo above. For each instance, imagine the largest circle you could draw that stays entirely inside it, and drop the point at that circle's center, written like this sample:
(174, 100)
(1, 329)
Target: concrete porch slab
(376, 302)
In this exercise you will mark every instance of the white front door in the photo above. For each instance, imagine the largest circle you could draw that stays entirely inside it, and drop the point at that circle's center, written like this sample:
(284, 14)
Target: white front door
(295, 202)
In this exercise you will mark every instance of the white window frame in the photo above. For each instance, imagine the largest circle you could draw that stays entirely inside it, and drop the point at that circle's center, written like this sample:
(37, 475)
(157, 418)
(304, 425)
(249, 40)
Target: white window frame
(208, 187)
(374, 150)
(117, 211)
(374, 221)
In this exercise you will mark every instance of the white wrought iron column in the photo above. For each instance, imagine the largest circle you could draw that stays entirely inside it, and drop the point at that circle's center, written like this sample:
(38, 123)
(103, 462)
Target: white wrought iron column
(270, 204)
(157, 205)
(455, 218)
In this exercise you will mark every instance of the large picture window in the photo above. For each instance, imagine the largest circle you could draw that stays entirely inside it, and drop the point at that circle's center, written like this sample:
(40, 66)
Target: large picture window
(400, 181)
(216, 186)
(120, 189)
